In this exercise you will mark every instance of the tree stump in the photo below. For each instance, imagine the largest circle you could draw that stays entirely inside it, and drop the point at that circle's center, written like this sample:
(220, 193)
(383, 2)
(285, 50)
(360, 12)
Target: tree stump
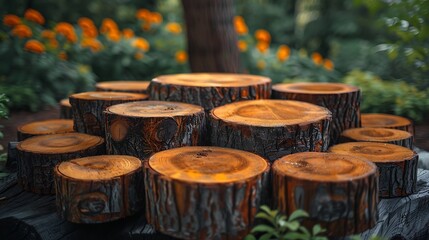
(271, 128)
(397, 165)
(209, 90)
(380, 120)
(204, 192)
(123, 86)
(382, 135)
(341, 99)
(38, 155)
(45, 127)
(99, 189)
(88, 109)
(338, 191)
(142, 128)
(66, 109)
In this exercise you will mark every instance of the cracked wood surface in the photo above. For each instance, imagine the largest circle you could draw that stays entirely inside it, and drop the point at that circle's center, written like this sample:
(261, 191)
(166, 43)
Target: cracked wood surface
(381, 120)
(382, 135)
(123, 86)
(45, 127)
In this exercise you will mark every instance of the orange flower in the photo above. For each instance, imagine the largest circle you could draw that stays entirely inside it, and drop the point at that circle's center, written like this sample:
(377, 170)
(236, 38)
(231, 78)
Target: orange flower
(141, 43)
(91, 43)
(63, 55)
(128, 33)
(108, 25)
(181, 56)
(67, 30)
(11, 20)
(114, 36)
(146, 26)
(262, 46)
(143, 14)
(34, 16)
(261, 64)
(48, 34)
(328, 65)
(240, 25)
(34, 46)
(262, 35)
(22, 31)
(317, 58)
(53, 43)
(88, 27)
(283, 53)
(138, 55)
(155, 17)
(174, 28)
(242, 45)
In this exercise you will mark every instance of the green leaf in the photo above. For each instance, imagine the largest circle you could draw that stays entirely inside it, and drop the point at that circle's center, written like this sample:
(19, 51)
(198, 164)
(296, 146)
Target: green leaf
(250, 237)
(266, 236)
(295, 235)
(265, 216)
(317, 229)
(298, 214)
(262, 228)
(294, 225)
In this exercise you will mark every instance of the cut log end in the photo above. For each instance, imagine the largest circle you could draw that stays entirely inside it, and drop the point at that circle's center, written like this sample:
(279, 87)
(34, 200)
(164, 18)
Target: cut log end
(314, 88)
(154, 109)
(66, 111)
(212, 80)
(383, 135)
(109, 96)
(123, 86)
(379, 120)
(46, 127)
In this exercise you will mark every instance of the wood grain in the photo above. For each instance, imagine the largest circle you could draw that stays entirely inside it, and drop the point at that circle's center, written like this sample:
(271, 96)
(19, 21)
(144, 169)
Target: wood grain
(123, 86)
(45, 127)
(382, 135)
(381, 120)
(66, 111)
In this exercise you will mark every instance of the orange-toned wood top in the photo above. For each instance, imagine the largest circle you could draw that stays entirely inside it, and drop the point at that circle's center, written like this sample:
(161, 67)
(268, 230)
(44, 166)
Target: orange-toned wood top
(376, 134)
(154, 109)
(109, 96)
(376, 152)
(212, 80)
(326, 167)
(102, 167)
(271, 113)
(209, 165)
(50, 126)
(59, 143)
(123, 85)
(315, 88)
(379, 120)
(65, 102)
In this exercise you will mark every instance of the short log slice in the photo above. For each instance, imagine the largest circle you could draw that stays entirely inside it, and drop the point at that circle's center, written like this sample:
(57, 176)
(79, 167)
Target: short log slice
(382, 135)
(88, 109)
(99, 189)
(380, 120)
(209, 90)
(142, 128)
(66, 109)
(204, 192)
(271, 128)
(397, 165)
(341, 99)
(45, 127)
(123, 86)
(37, 157)
(340, 192)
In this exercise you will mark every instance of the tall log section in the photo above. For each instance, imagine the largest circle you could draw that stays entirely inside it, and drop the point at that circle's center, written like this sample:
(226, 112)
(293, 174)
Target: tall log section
(397, 165)
(271, 128)
(204, 192)
(209, 90)
(341, 99)
(37, 157)
(99, 189)
(340, 192)
(143, 128)
(46, 127)
(380, 120)
(123, 86)
(382, 135)
(88, 109)
(66, 111)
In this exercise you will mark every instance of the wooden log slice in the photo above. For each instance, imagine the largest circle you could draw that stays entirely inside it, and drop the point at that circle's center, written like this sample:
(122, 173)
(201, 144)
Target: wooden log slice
(99, 189)
(271, 128)
(142, 128)
(397, 165)
(204, 192)
(341, 99)
(209, 90)
(123, 86)
(38, 155)
(45, 127)
(382, 135)
(88, 109)
(380, 120)
(66, 109)
(338, 191)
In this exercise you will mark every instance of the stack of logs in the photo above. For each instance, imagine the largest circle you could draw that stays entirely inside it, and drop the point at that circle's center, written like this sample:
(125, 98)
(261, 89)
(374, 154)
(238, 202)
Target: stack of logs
(196, 157)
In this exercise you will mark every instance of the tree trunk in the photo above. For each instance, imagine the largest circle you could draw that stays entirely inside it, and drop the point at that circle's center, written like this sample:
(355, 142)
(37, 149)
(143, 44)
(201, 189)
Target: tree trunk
(271, 128)
(66, 109)
(88, 109)
(382, 135)
(212, 40)
(45, 127)
(123, 86)
(380, 120)
(37, 157)
(338, 191)
(141, 129)
(204, 192)
(341, 99)
(99, 189)
(397, 165)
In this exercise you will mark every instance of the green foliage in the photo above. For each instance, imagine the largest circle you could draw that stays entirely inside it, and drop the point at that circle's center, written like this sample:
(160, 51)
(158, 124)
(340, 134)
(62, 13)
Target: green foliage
(282, 227)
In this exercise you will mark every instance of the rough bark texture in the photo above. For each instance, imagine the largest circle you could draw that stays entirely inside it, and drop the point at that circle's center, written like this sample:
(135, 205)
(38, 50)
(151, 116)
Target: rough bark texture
(99, 200)
(141, 136)
(212, 40)
(46, 127)
(382, 135)
(123, 86)
(342, 100)
(342, 206)
(35, 168)
(66, 109)
(380, 120)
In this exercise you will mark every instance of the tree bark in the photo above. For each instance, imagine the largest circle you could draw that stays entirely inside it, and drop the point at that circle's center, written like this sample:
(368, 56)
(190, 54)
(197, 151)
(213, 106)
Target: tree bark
(380, 120)
(212, 40)
(123, 86)
(382, 135)
(66, 109)
(340, 192)
(45, 127)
